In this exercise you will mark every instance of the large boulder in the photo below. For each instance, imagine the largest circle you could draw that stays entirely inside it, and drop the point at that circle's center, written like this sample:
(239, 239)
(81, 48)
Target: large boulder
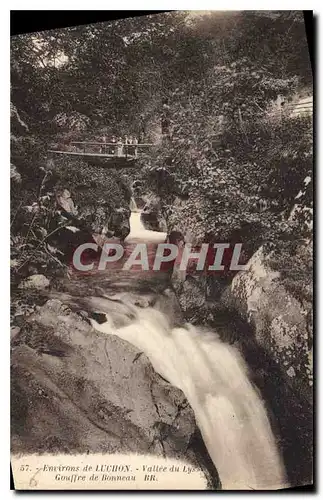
(281, 335)
(119, 222)
(152, 217)
(281, 322)
(65, 201)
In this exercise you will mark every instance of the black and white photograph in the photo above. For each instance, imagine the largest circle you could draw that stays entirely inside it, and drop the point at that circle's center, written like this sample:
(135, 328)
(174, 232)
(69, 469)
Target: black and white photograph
(161, 251)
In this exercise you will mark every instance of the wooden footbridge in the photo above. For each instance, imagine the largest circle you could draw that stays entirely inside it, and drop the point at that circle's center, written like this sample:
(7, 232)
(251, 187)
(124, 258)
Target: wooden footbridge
(110, 154)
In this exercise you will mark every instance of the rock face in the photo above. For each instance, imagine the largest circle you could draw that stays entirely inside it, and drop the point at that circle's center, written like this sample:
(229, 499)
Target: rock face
(91, 198)
(85, 224)
(65, 201)
(282, 337)
(281, 323)
(75, 390)
(152, 217)
(119, 222)
(97, 218)
(191, 295)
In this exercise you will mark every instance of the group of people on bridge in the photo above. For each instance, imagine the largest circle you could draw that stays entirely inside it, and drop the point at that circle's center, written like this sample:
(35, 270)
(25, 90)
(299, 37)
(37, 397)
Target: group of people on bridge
(119, 146)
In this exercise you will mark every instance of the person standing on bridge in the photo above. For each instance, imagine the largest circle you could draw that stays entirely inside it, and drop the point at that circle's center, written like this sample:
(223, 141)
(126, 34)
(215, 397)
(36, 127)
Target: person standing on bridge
(135, 141)
(126, 142)
(114, 141)
(130, 142)
(119, 147)
(103, 147)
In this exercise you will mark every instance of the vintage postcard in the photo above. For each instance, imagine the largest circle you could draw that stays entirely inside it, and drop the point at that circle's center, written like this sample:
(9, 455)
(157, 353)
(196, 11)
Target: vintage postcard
(161, 253)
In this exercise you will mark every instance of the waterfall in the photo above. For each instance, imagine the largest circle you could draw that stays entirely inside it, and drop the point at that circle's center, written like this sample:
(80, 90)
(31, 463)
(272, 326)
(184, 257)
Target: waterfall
(228, 408)
(138, 231)
(213, 376)
(133, 205)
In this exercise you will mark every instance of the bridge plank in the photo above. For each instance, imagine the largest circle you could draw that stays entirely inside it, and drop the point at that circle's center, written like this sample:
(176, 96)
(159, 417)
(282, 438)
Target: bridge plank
(100, 155)
(111, 144)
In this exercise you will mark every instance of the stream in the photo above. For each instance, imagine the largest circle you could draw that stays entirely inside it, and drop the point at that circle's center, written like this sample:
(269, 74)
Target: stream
(212, 374)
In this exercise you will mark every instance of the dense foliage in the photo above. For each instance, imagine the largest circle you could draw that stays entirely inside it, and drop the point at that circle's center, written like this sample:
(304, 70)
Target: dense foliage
(204, 84)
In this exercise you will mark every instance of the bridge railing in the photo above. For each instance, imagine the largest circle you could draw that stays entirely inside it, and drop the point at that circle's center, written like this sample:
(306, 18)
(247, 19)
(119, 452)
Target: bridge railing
(110, 148)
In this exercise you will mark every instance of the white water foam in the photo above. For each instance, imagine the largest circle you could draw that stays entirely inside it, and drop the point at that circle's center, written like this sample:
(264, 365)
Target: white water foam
(229, 411)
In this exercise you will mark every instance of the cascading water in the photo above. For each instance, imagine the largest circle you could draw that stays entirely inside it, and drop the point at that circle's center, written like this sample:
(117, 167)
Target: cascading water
(214, 377)
(138, 231)
(133, 205)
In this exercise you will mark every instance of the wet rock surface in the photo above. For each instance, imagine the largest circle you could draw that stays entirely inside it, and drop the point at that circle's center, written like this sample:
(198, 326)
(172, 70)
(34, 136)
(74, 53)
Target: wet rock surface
(152, 217)
(282, 324)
